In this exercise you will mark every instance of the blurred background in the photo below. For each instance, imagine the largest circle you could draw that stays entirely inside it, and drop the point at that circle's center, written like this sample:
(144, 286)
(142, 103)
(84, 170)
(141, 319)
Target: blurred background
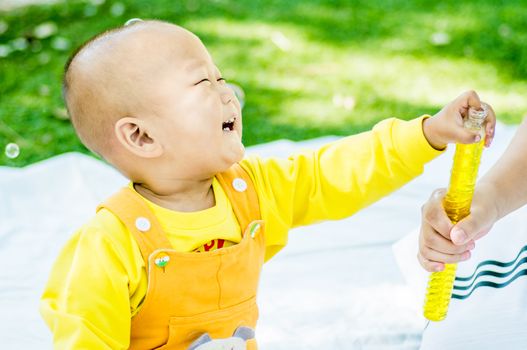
(306, 68)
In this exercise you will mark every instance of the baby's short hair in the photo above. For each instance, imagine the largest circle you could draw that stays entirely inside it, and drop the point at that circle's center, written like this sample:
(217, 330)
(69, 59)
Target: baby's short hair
(92, 103)
(86, 121)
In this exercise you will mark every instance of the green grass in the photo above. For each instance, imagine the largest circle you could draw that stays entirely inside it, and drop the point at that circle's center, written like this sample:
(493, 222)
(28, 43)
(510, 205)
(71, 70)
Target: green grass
(386, 58)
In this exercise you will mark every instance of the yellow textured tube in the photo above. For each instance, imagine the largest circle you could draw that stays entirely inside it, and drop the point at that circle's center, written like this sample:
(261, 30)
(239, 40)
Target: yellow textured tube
(457, 206)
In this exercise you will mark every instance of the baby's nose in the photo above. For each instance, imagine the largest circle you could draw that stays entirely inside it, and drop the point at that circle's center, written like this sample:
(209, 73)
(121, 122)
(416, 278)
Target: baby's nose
(226, 95)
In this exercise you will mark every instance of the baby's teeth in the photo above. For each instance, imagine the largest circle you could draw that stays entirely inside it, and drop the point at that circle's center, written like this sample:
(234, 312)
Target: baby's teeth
(226, 129)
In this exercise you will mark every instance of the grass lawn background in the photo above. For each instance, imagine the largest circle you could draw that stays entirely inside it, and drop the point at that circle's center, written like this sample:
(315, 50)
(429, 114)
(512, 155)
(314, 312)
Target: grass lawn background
(308, 68)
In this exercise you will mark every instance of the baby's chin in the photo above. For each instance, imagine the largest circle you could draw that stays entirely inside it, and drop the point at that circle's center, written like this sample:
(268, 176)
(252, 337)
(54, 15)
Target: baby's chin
(233, 155)
(235, 145)
(238, 152)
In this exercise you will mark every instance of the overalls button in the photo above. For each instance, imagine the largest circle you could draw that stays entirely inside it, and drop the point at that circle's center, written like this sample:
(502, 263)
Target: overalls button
(162, 260)
(142, 224)
(254, 230)
(239, 184)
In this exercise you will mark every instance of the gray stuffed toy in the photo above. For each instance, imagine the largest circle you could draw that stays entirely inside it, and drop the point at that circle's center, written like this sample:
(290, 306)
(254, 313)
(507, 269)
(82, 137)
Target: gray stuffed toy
(238, 341)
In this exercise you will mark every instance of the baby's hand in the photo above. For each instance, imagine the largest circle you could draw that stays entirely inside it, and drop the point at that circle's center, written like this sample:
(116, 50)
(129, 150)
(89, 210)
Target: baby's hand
(447, 125)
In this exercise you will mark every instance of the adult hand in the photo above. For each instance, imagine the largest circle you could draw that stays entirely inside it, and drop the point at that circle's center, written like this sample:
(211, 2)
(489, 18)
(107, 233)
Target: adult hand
(441, 242)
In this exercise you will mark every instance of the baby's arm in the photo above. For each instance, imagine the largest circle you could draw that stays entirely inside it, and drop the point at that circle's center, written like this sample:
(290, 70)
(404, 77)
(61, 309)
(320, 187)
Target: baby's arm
(341, 177)
(499, 192)
(86, 300)
(345, 176)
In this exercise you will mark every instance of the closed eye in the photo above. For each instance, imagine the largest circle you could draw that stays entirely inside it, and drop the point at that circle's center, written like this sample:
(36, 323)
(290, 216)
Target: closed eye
(206, 79)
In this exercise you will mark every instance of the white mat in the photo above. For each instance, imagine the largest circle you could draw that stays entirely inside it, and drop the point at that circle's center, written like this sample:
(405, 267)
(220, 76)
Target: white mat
(335, 286)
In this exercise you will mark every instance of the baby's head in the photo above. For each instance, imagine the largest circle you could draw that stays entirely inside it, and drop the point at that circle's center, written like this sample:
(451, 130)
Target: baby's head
(148, 98)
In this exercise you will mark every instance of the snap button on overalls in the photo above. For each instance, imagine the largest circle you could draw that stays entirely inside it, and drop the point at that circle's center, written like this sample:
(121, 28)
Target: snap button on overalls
(195, 293)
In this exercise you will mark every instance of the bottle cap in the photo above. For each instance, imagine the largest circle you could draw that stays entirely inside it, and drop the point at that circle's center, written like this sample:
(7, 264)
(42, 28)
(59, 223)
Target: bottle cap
(474, 113)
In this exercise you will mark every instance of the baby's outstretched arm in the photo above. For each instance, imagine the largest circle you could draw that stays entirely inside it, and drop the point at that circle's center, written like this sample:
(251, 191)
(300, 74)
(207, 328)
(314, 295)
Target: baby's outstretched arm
(345, 176)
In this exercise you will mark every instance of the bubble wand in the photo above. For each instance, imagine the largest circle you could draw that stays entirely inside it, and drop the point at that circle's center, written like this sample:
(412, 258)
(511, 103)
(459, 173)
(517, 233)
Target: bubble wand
(457, 206)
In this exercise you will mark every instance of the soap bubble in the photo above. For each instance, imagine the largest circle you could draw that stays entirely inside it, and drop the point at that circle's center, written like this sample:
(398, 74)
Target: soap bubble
(238, 91)
(133, 21)
(12, 150)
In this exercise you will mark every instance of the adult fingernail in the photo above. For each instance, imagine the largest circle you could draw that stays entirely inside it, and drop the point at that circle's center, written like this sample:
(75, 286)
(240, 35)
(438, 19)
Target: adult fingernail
(438, 268)
(477, 138)
(458, 236)
(465, 256)
(471, 246)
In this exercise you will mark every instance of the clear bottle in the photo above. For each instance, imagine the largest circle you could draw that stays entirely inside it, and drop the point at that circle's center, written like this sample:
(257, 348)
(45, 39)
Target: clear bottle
(457, 206)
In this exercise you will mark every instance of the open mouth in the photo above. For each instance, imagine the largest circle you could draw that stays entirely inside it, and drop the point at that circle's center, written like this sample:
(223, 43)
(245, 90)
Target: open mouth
(228, 125)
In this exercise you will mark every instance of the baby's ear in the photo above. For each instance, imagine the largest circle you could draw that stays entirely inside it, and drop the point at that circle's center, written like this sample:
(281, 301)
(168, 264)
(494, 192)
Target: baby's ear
(133, 134)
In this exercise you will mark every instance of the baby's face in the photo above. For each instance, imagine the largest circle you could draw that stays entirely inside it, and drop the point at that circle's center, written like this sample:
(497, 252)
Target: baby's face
(197, 118)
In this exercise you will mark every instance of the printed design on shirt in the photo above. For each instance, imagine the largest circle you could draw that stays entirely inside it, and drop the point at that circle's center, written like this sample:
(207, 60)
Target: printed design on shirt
(213, 245)
(491, 273)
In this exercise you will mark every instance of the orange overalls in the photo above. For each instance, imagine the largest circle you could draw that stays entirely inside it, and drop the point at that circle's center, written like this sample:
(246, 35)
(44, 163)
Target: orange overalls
(193, 293)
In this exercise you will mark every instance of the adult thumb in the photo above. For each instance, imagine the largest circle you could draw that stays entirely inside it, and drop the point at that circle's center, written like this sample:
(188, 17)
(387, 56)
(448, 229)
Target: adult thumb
(464, 231)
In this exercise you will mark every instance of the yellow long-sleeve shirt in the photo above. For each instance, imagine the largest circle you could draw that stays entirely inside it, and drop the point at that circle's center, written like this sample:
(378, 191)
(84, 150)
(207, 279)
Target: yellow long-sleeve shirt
(99, 280)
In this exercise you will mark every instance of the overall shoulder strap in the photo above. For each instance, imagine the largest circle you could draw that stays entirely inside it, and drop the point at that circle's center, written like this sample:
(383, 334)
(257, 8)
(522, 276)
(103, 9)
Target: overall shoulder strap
(241, 192)
(139, 219)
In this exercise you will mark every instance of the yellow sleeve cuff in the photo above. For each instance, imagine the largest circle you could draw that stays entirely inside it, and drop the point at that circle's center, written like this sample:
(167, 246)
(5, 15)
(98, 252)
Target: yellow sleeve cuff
(412, 145)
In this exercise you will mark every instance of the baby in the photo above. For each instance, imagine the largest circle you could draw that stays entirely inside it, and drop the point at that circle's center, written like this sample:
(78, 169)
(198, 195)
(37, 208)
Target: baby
(177, 254)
